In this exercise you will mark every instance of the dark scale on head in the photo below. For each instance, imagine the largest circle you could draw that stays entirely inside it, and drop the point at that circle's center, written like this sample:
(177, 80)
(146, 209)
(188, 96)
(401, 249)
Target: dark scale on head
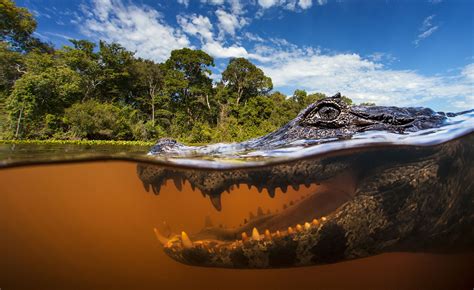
(331, 246)
(282, 253)
(196, 256)
(238, 258)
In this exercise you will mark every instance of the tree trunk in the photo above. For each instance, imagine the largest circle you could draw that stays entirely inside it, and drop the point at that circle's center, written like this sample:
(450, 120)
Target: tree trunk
(239, 94)
(18, 123)
(207, 102)
(153, 113)
(151, 91)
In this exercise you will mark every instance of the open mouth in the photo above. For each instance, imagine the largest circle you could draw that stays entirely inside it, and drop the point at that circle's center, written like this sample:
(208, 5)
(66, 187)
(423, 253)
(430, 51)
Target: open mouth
(269, 238)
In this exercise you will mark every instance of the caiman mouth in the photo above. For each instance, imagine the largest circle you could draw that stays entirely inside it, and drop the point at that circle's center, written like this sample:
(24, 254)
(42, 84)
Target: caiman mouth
(274, 235)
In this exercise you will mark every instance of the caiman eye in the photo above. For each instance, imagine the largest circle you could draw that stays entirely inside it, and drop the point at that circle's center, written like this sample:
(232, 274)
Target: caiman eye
(328, 113)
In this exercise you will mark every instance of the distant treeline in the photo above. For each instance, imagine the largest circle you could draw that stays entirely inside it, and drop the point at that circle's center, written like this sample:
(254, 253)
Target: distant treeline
(106, 93)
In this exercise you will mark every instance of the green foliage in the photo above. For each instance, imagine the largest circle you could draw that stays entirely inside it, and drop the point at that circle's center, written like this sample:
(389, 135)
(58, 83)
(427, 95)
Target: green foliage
(46, 88)
(245, 80)
(79, 142)
(17, 26)
(11, 63)
(99, 121)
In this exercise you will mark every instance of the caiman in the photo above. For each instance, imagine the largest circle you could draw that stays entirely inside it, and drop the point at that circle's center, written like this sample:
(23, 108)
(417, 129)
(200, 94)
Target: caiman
(369, 201)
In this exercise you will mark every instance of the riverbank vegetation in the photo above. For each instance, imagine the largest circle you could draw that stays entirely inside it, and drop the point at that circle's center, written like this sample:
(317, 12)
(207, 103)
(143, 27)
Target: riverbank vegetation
(85, 91)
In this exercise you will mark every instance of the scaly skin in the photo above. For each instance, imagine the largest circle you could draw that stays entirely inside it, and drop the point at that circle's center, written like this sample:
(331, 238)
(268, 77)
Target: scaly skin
(376, 200)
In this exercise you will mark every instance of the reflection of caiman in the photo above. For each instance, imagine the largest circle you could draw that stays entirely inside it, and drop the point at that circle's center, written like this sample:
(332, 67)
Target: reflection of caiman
(396, 198)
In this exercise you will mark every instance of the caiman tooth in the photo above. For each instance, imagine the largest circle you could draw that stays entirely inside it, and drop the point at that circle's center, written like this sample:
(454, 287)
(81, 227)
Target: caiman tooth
(162, 239)
(207, 222)
(192, 186)
(178, 182)
(284, 188)
(249, 186)
(295, 186)
(216, 201)
(146, 185)
(255, 234)
(251, 215)
(271, 192)
(186, 241)
(260, 212)
(260, 188)
(156, 188)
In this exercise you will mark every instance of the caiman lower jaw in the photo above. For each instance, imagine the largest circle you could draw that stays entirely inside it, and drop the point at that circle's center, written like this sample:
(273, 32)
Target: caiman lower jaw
(271, 241)
(268, 250)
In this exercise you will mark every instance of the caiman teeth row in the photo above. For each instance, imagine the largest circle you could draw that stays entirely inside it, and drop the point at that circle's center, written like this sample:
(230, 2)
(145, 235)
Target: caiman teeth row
(290, 231)
(186, 242)
(215, 197)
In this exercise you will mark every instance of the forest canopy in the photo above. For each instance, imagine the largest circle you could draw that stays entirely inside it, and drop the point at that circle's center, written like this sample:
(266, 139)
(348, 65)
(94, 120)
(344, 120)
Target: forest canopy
(104, 92)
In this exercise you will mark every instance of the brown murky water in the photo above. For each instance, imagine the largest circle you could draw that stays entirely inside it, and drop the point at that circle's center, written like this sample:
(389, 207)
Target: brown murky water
(90, 225)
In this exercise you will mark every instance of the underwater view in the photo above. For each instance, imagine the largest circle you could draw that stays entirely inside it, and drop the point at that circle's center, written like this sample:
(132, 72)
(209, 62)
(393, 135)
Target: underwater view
(383, 210)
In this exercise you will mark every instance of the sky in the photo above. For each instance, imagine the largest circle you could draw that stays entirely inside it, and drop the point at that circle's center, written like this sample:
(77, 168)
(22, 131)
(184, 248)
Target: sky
(403, 53)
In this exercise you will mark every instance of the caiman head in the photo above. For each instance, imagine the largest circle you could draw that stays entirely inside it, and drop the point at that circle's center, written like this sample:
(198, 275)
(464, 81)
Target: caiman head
(362, 202)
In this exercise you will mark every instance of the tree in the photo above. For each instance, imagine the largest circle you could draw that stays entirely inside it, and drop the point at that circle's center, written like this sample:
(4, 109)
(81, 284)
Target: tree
(193, 87)
(151, 78)
(245, 79)
(116, 64)
(95, 120)
(17, 26)
(47, 87)
(82, 59)
(11, 68)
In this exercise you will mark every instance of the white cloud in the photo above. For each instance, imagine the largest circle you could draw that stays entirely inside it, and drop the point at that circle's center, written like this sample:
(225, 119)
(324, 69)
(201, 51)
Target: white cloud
(468, 71)
(59, 35)
(201, 27)
(267, 3)
(217, 50)
(236, 6)
(137, 28)
(229, 23)
(214, 2)
(184, 2)
(367, 80)
(427, 28)
(290, 4)
(305, 4)
(196, 25)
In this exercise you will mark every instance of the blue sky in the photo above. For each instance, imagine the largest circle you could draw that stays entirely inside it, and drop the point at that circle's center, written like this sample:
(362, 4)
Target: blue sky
(405, 53)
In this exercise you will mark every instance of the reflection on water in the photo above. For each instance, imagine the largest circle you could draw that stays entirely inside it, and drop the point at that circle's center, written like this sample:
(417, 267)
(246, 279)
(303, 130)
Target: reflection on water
(91, 225)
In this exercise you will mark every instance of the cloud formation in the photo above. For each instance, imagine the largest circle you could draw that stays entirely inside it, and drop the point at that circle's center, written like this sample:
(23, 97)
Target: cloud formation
(229, 22)
(366, 80)
(427, 28)
(289, 4)
(138, 28)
